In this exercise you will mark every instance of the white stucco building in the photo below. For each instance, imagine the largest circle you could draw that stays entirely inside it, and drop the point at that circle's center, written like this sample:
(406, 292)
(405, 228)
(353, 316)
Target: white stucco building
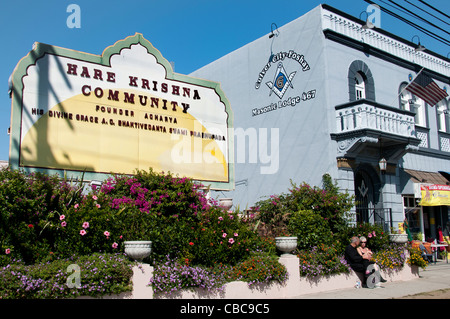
(322, 94)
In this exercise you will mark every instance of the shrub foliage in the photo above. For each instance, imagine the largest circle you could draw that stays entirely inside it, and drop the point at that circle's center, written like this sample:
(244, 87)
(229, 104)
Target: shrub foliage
(46, 223)
(43, 216)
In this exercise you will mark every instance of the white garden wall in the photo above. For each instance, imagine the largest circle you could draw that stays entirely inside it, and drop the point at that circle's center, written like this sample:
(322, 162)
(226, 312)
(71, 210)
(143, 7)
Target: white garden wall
(293, 287)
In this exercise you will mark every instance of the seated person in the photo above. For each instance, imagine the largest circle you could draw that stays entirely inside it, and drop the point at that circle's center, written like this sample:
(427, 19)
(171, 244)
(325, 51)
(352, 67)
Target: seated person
(357, 262)
(363, 249)
(425, 255)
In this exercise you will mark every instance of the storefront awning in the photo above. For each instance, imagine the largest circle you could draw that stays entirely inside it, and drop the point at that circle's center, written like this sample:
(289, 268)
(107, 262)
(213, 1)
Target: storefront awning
(426, 177)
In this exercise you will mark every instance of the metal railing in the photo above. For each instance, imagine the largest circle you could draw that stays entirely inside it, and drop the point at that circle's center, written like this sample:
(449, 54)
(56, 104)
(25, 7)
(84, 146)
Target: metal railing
(378, 216)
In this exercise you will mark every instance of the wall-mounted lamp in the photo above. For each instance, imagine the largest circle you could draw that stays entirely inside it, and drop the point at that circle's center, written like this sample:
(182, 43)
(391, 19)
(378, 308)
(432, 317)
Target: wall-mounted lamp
(383, 165)
(368, 24)
(418, 47)
(271, 35)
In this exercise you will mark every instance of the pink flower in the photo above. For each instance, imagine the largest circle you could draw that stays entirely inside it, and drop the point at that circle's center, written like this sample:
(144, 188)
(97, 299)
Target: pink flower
(106, 233)
(94, 197)
(98, 205)
(114, 245)
(63, 224)
(231, 240)
(369, 235)
(82, 232)
(224, 235)
(76, 206)
(85, 225)
(373, 233)
(7, 251)
(62, 217)
(235, 234)
(220, 218)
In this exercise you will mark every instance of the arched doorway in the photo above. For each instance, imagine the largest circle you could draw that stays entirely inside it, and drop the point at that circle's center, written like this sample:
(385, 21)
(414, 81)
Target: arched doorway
(367, 196)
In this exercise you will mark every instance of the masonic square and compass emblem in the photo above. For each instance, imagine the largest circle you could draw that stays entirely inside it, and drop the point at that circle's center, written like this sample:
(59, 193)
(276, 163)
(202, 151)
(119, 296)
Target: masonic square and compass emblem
(281, 81)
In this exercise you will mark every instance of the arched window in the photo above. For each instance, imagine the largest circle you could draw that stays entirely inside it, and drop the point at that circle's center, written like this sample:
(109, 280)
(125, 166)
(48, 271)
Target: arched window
(360, 82)
(360, 86)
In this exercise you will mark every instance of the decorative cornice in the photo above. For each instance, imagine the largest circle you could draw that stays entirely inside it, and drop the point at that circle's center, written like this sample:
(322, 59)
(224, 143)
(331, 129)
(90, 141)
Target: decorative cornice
(343, 28)
(353, 143)
(347, 145)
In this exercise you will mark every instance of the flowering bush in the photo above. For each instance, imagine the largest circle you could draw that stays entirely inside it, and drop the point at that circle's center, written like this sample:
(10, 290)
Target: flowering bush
(174, 274)
(220, 237)
(87, 226)
(259, 268)
(415, 258)
(179, 219)
(46, 221)
(376, 238)
(30, 208)
(310, 229)
(321, 260)
(169, 211)
(271, 216)
(392, 258)
(326, 208)
(328, 202)
(99, 274)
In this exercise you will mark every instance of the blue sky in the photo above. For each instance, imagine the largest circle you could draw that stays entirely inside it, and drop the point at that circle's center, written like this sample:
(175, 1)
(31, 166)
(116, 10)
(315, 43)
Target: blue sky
(189, 33)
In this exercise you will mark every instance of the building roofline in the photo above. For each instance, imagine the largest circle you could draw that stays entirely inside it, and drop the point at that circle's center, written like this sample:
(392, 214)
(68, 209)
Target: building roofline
(382, 31)
(364, 47)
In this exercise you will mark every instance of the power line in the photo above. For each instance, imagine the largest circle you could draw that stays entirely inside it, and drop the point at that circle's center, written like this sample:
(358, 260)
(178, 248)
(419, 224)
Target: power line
(421, 9)
(407, 12)
(418, 17)
(430, 6)
(414, 25)
(420, 28)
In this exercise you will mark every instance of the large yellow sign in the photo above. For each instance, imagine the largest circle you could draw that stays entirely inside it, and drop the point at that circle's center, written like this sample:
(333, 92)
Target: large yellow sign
(435, 195)
(124, 111)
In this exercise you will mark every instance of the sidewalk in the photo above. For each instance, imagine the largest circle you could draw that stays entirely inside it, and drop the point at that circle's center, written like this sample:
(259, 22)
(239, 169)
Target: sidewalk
(434, 277)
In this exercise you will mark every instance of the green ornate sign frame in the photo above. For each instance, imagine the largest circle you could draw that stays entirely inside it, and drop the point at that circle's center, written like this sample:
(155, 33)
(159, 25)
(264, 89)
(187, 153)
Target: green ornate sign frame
(40, 50)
